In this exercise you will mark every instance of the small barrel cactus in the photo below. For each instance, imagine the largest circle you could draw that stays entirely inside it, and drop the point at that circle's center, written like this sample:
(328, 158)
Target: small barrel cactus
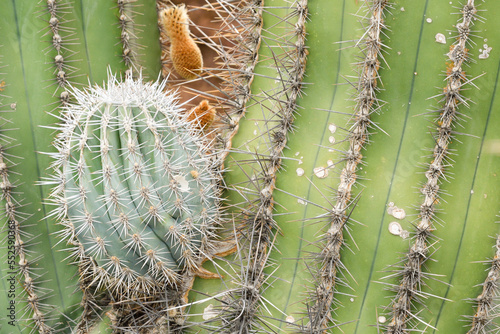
(136, 187)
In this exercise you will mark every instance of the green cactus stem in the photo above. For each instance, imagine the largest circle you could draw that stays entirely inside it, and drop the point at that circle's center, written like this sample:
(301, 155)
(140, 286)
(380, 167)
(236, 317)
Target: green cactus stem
(136, 191)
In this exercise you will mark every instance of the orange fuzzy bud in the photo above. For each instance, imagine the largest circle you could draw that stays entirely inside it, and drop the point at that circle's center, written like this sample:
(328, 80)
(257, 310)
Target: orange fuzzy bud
(202, 115)
(184, 53)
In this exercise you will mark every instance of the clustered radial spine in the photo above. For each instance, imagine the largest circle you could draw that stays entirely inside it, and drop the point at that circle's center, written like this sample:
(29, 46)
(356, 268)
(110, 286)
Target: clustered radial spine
(411, 276)
(322, 297)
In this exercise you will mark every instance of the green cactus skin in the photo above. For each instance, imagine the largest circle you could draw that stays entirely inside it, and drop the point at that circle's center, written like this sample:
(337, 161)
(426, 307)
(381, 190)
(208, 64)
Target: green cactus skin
(329, 261)
(279, 301)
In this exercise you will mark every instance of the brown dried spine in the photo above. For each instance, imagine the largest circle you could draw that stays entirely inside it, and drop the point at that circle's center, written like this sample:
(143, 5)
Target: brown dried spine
(184, 53)
(411, 275)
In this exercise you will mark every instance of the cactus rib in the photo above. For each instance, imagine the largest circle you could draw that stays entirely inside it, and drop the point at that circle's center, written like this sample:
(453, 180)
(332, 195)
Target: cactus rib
(242, 312)
(411, 275)
(61, 36)
(483, 319)
(128, 35)
(322, 297)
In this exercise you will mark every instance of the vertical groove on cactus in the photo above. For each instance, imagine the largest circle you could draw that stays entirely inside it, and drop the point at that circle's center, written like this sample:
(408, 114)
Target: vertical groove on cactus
(409, 270)
(61, 38)
(486, 302)
(243, 310)
(128, 37)
(320, 305)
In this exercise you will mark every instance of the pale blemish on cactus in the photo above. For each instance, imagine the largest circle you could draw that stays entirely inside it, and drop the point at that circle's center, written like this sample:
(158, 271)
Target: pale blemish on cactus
(136, 192)
(184, 53)
(409, 272)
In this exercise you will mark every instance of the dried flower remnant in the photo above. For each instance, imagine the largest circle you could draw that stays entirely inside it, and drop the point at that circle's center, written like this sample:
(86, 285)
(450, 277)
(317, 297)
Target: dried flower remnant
(184, 53)
(202, 115)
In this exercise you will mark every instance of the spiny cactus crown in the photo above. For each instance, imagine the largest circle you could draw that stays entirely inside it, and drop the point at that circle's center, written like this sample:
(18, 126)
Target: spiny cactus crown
(135, 185)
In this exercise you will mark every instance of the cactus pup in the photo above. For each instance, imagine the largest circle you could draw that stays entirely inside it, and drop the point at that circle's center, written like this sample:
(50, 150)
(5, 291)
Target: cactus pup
(136, 191)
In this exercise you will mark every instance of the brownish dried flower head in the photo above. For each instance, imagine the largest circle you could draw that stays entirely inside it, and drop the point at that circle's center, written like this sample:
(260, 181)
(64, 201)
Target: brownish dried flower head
(185, 54)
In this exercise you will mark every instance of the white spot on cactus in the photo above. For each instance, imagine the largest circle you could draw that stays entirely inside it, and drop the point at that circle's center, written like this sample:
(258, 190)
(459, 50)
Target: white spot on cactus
(290, 319)
(382, 319)
(395, 228)
(209, 312)
(404, 234)
(332, 127)
(329, 163)
(440, 38)
(300, 172)
(320, 172)
(331, 139)
(390, 207)
(301, 201)
(485, 53)
(398, 213)
(429, 20)
(183, 183)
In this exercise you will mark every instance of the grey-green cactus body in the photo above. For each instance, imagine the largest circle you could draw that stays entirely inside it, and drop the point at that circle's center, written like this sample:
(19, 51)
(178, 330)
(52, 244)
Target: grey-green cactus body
(137, 187)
